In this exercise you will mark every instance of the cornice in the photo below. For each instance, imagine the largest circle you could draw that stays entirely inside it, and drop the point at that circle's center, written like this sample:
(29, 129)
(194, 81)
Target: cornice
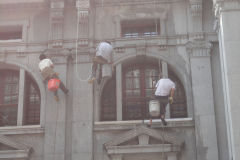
(105, 3)
(199, 48)
(15, 4)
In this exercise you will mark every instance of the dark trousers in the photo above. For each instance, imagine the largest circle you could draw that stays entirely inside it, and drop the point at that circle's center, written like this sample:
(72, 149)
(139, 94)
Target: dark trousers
(163, 100)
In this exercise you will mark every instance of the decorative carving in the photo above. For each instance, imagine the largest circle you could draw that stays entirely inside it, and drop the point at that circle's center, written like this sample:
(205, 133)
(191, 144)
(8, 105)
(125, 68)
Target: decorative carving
(196, 36)
(170, 138)
(19, 151)
(119, 50)
(196, 7)
(83, 7)
(119, 146)
(162, 47)
(198, 48)
(56, 17)
(216, 25)
(141, 50)
(225, 6)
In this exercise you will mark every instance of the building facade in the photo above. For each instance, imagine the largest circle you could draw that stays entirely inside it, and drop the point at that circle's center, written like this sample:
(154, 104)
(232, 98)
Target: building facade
(193, 42)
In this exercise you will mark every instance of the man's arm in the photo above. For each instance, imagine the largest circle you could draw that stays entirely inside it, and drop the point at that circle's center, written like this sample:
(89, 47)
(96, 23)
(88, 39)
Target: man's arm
(172, 92)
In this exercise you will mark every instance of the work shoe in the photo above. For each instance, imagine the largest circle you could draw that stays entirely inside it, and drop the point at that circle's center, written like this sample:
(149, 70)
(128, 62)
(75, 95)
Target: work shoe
(91, 80)
(163, 121)
(66, 91)
(99, 60)
(56, 98)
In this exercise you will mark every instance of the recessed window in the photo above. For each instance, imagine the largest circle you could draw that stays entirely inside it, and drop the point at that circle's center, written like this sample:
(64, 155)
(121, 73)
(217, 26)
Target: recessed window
(140, 28)
(9, 95)
(10, 32)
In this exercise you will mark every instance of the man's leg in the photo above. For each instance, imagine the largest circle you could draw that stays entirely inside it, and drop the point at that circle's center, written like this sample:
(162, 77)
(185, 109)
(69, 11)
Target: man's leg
(63, 88)
(163, 104)
(56, 96)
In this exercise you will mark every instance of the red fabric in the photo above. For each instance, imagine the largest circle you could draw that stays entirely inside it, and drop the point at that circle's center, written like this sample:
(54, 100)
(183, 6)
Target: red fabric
(53, 84)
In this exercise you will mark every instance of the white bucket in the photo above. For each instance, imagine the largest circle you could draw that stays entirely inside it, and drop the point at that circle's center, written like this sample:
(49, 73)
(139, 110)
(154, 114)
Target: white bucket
(106, 70)
(154, 108)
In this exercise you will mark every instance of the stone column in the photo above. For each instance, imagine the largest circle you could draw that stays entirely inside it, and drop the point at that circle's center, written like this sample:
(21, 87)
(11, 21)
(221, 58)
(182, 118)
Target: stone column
(119, 91)
(20, 117)
(204, 115)
(227, 13)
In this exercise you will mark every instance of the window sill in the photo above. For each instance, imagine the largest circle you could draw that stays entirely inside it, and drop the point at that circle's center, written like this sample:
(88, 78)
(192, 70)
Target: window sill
(156, 123)
(11, 41)
(20, 1)
(13, 130)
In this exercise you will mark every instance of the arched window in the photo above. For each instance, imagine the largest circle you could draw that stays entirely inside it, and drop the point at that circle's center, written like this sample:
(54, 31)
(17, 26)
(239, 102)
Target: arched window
(9, 99)
(138, 87)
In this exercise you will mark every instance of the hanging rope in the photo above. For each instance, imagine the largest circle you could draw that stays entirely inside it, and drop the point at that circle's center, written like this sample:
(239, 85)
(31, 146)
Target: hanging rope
(76, 53)
(55, 134)
(163, 152)
(155, 18)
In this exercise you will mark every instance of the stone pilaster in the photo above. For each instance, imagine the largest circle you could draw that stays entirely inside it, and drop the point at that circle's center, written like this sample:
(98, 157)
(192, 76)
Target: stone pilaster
(83, 7)
(196, 19)
(119, 91)
(56, 23)
(20, 117)
(204, 114)
(227, 14)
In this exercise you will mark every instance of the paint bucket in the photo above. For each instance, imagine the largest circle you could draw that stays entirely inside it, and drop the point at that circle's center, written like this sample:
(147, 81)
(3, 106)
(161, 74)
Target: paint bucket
(154, 108)
(53, 84)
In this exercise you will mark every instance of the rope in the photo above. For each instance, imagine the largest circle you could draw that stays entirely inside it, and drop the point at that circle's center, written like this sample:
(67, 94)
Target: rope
(76, 53)
(155, 19)
(55, 134)
(163, 155)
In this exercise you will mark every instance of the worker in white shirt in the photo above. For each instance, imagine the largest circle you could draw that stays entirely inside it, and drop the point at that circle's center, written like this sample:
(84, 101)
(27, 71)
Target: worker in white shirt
(103, 57)
(164, 93)
(46, 68)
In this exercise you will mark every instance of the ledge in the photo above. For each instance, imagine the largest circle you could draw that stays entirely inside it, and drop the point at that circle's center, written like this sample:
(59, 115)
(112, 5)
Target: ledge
(156, 123)
(20, 1)
(14, 130)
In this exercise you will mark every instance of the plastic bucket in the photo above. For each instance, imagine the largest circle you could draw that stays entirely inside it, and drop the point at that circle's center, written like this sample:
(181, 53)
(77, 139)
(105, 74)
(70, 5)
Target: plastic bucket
(53, 84)
(154, 108)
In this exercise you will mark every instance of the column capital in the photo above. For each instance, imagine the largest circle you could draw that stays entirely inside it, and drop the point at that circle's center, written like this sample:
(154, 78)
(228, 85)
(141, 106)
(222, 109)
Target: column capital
(199, 48)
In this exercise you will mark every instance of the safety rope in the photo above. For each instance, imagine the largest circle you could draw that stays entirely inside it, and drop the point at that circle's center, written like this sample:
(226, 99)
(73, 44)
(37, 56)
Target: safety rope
(55, 134)
(163, 152)
(155, 18)
(76, 53)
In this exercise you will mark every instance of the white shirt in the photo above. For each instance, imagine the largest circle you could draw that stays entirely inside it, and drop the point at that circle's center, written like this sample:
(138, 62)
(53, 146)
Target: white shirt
(104, 49)
(45, 63)
(164, 87)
